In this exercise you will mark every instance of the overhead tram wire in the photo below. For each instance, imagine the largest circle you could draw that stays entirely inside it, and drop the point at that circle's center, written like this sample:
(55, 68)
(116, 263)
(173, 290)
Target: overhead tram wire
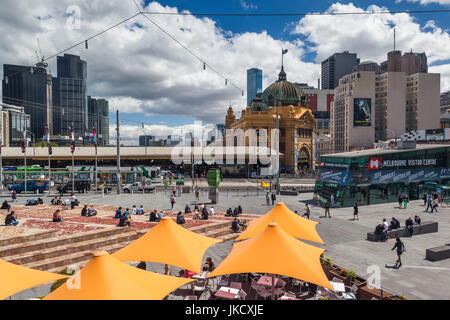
(218, 14)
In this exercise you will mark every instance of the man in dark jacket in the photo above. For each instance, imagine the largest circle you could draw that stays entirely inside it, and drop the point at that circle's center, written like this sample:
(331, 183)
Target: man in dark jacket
(273, 197)
(11, 219)
(205, 213)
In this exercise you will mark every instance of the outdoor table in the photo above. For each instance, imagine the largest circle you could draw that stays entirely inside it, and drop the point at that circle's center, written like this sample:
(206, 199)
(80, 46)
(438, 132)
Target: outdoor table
(201, 276)
(338, 286)
(227, 293)
(267, 281)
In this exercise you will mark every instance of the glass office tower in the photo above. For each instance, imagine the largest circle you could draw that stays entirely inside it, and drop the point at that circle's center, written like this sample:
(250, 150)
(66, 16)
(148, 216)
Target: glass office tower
(254, 84)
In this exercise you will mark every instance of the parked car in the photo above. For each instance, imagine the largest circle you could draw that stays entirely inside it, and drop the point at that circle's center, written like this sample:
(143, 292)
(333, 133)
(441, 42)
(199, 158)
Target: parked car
(32, 185)
(79, 186)
(138, 187)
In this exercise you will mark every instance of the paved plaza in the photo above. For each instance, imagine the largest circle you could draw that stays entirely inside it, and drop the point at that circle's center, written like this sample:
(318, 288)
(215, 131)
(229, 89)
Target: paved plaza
(345, 239)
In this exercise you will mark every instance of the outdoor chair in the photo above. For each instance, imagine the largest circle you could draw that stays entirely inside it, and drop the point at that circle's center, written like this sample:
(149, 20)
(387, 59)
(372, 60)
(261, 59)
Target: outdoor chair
(263, 293)
(254, 285)
(224, 281)
(297, 283)
(280, 284)
(242, 295)
(199, 286)
(244, 277)
(236, 285)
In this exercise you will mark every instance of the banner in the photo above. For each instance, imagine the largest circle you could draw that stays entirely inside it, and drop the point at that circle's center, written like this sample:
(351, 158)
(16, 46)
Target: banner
(362, 112)
(383, 177)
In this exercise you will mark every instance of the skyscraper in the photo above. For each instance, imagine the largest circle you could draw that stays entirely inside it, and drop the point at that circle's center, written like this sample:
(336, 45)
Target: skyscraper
(254, 84)
(30, 88)
(98, 116)
(337, 66)
(70, 96)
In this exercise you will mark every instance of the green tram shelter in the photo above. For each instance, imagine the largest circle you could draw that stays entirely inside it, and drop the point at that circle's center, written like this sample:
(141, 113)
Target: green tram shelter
(380, 175)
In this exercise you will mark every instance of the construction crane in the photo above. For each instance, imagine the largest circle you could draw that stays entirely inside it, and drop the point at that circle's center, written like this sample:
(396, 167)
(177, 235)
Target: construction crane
(40, 58)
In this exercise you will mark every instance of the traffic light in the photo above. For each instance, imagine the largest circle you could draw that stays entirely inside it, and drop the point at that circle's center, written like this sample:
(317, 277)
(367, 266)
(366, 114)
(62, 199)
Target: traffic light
(50, 150)
(23, 146)
(72, 147)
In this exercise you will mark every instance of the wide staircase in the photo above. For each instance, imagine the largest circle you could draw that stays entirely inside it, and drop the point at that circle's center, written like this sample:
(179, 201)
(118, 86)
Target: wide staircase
(49, 252)
(220, 230)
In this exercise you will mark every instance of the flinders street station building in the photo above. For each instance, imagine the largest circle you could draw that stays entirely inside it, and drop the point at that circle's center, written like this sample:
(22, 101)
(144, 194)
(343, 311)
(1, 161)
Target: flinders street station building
(296, 122)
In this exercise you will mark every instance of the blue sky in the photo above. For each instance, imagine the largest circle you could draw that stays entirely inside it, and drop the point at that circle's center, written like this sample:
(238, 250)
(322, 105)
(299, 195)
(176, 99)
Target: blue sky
(151, 79)
(281, 27)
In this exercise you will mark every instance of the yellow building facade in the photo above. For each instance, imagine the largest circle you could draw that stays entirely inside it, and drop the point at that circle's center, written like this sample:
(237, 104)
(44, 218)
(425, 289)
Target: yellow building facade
(296, 121)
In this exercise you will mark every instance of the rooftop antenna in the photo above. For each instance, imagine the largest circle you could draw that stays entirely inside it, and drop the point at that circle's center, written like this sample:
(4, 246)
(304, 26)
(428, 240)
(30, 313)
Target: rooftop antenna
(394, 39)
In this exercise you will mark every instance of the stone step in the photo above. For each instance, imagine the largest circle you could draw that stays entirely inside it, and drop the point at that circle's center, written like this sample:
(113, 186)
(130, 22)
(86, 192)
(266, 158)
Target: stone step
(92, 244)
(78, 258)
(58, 241)
(210, 226)
(28, 238)
(217, 233)
(230, 236)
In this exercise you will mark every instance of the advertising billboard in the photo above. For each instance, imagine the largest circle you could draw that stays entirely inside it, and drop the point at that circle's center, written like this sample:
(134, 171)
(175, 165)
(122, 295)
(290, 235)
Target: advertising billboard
(362, 112)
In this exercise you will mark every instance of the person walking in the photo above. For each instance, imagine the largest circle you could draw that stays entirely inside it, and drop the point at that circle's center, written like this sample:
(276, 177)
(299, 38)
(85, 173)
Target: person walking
(425, 198)
(400, 249)
(355, 211)
(434, 205)
(274, 198)
(400, 200)
(172, 200)
(327, 209)
(73, 200)
(14, 195)
(307, 212)
(267, 198)
(429, 203)
(405, 201)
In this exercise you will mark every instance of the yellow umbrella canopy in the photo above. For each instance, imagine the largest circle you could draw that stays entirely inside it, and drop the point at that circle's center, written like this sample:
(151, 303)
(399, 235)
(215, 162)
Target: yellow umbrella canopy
(275, 251)
(296, 226)
(106, 278)
(17, 278)
(168, 243)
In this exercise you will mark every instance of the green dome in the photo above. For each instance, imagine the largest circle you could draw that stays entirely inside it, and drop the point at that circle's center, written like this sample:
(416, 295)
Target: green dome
(286, 93)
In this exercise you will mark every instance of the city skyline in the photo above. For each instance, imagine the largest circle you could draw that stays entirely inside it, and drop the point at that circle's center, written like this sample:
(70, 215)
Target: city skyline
(166, 87)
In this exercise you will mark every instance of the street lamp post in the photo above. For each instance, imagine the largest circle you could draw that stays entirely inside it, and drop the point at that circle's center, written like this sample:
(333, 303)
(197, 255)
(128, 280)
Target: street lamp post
(277, 145)
(25, 156)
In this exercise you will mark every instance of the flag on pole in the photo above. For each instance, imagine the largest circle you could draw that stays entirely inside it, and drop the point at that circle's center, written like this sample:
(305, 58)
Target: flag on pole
(95, 138)
(284, 51)
(24, 144)
(72, 142)
(47, 138)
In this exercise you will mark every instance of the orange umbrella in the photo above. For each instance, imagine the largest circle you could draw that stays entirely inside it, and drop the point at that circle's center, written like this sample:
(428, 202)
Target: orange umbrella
(17, 278)
(106, 278)
(168, 243)
(275, 251)
(296, 226)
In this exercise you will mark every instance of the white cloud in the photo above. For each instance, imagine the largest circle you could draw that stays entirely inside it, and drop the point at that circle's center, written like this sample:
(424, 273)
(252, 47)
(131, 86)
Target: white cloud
(139, 69)
(371, 36)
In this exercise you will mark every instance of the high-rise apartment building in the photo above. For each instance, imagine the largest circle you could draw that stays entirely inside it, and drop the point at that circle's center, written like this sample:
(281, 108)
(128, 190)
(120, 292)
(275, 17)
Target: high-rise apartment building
(422, 101)
(70, 96)
(390, 99)
(31, 89)
(98, 116)
(337, 66)
(352, 113)
(254, 84)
